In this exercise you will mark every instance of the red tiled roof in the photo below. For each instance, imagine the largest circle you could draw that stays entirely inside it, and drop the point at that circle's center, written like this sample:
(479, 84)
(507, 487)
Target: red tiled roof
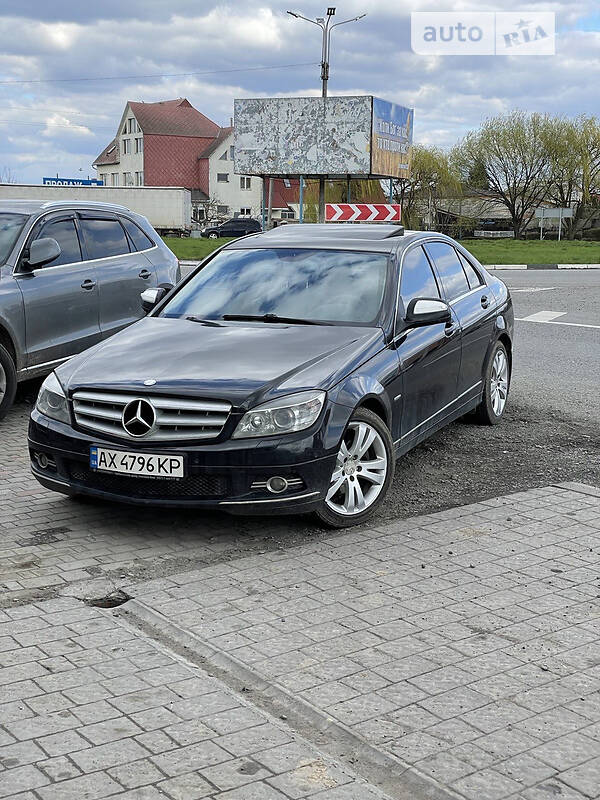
(210, 149)
(284, 195)
(173, 118)
(110, 154)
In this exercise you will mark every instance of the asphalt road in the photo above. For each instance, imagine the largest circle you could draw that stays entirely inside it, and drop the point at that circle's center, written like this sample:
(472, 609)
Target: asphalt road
(557, 363)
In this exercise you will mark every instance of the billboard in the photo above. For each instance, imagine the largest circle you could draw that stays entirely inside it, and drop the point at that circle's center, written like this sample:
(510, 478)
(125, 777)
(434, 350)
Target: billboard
(391, 139)
(322, 136)
(71, 182)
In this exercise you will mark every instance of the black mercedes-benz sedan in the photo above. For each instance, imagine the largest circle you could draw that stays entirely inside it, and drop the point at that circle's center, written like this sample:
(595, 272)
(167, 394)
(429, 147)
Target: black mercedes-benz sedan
(286, 374)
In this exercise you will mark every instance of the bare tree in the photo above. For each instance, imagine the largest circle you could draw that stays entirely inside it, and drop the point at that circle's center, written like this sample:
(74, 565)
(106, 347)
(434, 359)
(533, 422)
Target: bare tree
(512, 151)
(7, 175)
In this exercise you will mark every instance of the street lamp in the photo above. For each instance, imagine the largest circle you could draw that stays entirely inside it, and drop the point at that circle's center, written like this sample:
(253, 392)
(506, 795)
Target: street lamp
(325, 24)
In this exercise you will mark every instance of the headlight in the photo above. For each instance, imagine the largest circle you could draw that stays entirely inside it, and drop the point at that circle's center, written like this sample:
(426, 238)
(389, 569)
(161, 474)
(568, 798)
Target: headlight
(286, 415)
(52, 401)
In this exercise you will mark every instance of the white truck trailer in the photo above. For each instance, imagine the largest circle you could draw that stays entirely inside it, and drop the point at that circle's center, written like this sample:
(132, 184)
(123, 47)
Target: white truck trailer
(167, 208)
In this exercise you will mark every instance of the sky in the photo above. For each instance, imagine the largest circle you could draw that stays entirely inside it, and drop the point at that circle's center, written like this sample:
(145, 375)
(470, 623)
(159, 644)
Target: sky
(67, 68)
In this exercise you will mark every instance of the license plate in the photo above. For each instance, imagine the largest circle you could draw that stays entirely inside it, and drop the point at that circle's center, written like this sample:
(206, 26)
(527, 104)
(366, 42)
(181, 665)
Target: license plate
(149, 465)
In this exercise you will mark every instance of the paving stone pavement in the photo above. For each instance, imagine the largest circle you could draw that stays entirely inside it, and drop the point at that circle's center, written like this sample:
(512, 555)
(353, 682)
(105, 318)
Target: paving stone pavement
(91, 708)
(466, 642)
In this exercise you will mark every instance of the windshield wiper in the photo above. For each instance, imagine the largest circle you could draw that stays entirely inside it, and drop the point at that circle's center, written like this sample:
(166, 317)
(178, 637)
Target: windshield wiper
(271, 318)
(210, 322)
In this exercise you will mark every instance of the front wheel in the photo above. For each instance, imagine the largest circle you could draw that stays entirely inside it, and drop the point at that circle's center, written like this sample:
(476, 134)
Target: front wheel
(363, 472)
(8, 381)
(495, 390)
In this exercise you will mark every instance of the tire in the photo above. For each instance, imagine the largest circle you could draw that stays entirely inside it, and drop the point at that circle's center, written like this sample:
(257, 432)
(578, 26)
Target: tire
(213, 235)
(496, 387)
(8, 381)
(352, 489)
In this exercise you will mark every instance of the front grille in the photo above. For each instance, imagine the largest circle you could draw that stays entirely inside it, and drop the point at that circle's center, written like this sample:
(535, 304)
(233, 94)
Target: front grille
(194, 486)
(177, 418)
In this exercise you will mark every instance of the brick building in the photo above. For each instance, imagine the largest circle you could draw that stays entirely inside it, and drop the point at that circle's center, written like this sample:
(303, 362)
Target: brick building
(170, 143)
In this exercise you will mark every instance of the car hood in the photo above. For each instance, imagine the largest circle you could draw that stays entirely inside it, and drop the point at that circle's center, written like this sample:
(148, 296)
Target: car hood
(244, 363)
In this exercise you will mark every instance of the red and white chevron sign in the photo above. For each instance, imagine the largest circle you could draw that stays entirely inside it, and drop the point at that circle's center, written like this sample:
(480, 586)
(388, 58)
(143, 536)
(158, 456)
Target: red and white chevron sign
(362, 212)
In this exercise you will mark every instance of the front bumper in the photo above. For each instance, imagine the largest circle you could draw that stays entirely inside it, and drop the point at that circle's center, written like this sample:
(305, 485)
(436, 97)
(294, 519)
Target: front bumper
(220, 476)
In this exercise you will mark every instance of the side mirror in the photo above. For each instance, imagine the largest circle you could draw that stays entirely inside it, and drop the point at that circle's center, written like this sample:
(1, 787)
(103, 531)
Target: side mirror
(42, 251)
(152, 297)
(423, 311)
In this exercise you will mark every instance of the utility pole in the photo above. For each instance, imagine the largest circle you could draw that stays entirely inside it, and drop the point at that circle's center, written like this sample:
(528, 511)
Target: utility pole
(325, 24)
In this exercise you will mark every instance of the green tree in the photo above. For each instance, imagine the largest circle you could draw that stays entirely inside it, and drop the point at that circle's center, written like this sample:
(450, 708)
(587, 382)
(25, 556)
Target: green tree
(432, 176)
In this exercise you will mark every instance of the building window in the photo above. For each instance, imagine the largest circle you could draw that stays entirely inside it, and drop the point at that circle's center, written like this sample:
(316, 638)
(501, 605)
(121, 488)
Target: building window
(139, 144)
(127, 179)
(139, 178)
(114, 178)
(126, 146)
(287, 213)
(245, 182)
(286, 183)
(104, 179)
(223, 157)
(131, 126)
(222, 209)
(222, 177)
(245, 212)
(231, 152)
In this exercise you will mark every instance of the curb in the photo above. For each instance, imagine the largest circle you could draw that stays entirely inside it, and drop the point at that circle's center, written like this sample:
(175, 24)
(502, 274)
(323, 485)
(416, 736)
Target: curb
(385, 771)
(542, 266)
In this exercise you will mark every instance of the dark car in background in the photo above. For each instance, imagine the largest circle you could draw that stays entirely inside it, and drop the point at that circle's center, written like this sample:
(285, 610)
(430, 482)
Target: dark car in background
(286, 374)
(71, 274)
(240, 226)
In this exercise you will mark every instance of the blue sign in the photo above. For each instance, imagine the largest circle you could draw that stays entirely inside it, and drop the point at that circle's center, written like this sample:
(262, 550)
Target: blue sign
(71, 182)
(391, 140)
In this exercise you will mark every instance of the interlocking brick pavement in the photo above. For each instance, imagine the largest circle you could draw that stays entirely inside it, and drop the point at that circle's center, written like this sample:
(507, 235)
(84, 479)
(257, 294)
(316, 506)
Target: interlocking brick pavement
(96, 709)
(466, 642)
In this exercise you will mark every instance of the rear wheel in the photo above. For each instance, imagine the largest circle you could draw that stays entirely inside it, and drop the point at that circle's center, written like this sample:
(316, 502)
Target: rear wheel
(213, 235)
(8, 381)
(362, 474)
(495, 391)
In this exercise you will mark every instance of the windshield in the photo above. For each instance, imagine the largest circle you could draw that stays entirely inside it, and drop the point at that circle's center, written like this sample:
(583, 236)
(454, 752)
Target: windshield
(335, 286)
(11, 226)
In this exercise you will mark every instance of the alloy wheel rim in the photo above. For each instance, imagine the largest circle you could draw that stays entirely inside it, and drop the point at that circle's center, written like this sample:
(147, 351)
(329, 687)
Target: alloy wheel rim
(3, 382)
(499, 382)
(360, 470)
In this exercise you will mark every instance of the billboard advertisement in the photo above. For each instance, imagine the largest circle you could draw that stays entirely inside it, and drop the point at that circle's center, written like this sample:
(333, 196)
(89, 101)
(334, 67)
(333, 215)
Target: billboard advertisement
(322, 136)
(391, 139)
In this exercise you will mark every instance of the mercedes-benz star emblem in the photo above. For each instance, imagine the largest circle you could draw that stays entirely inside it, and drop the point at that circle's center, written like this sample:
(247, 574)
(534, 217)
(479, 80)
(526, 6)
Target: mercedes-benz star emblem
(139, 417)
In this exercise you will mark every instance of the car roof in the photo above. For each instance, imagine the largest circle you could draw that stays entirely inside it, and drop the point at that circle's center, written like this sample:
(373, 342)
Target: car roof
(34, 206)
(379, 238)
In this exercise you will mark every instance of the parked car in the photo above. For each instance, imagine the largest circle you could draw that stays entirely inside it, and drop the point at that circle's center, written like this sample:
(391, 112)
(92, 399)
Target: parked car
(70, 276)
(286, 374)
(240, 226)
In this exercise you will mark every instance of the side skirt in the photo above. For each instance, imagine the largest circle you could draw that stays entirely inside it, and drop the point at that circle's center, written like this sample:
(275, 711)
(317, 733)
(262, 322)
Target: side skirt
(470, 405)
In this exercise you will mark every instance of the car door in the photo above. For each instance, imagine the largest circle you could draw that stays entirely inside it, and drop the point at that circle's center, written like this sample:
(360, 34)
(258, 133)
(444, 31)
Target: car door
(474, 306)
(60, 299)
(122, 274)
(230, 228)
(429, 356)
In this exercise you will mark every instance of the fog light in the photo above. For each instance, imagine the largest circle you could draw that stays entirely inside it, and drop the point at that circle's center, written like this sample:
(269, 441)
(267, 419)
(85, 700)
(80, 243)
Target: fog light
(277, 485)
(42, 460)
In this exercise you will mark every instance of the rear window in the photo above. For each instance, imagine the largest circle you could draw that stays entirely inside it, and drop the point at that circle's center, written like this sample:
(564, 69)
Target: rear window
(11, 226)
(137, 235)
(470, 272)
(104, 238)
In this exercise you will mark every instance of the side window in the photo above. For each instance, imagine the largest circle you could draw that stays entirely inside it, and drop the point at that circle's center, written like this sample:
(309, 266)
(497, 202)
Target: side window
(137, 235)
(470, 272)
(449, 268)
(417, 279)
(104, 237)
(65, 233)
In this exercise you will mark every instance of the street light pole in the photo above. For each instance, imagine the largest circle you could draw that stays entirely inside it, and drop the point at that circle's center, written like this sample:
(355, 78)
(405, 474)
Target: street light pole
(326, 27)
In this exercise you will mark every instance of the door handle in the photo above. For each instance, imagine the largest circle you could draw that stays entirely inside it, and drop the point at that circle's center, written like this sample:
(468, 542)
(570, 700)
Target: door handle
(451, 330)
(145, 274)
(88, 284)
(484, 301)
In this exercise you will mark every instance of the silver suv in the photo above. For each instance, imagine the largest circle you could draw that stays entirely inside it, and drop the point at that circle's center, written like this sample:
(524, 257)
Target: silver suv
(71, 275)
